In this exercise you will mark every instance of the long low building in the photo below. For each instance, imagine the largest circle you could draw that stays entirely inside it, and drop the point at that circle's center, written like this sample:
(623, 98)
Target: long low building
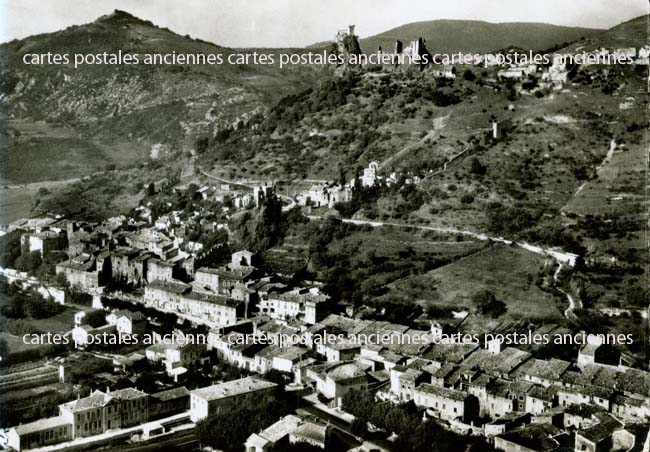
(97, 414)
(40, 433)
(175, 296)
(206, 402)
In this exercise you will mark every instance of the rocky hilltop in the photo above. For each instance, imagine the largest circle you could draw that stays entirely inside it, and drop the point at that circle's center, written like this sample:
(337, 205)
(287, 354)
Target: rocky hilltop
(165, 106)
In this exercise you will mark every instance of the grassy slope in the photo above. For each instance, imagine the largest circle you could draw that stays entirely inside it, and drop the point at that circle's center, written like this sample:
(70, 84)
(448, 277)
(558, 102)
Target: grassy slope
(632, 33)
(450, 36)
(510, 273)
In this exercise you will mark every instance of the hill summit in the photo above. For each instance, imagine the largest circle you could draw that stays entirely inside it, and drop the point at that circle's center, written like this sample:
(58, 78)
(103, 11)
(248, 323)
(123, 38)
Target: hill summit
(449, 36)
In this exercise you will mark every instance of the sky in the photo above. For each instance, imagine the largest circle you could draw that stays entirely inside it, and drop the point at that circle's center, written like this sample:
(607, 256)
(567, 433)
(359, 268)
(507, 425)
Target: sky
(297, 23)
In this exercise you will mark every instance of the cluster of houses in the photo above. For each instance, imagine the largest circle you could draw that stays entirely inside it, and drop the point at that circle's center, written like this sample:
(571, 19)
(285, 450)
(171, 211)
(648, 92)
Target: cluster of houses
(503, 393)
(416, 53)
(327, 195)
(258, 323)
(135, 412)
(116, 250)
(130, 251)
(481, 391)
(324, 195)
(291, 429)
(231, 195)
(557, 72)
(150, 261)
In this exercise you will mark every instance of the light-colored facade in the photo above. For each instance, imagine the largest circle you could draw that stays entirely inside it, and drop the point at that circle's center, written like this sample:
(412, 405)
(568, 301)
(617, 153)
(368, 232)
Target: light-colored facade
(206, 402)
(446, 403)
(179, 297)
(127, 322)
(39, 433)
(300, 304)
(101, 411)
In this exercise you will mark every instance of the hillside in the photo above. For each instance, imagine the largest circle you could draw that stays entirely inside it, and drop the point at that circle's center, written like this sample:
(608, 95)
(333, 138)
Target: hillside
(118, 114)
(448, 36)
(414, 123)
(633, 33)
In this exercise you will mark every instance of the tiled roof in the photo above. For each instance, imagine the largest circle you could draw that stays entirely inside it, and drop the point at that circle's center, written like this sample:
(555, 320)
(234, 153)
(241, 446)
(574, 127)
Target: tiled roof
(42, 424)
(96, 400)
(538, 437)
(311, 432)
(170, 286)
(171, 394)
(602, 430)
(232, 388)
(441, 392)
(127, 394)
(281, 428)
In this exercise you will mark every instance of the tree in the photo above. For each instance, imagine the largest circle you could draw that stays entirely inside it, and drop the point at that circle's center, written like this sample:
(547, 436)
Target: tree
(95, 318)
(277, 377)
(487, 304)
(29, 262)
(637, 296)
(467, 198)
(469, 75)
(60, 280)
(341, 176)
(10, 248)
(229, 429)
(4, 348)
(477, 167)
(202, 145)
(359, 427)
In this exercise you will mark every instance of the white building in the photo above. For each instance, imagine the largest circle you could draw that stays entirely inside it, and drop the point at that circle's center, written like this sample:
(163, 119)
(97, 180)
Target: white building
(299, 304)
(127, 322)
(369, 178)
(208, 401)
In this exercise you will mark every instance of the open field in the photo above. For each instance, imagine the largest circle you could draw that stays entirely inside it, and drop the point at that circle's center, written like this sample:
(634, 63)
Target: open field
(16, 201)
(60, 323)
(15, 343)
(511, 274)
(55, 152)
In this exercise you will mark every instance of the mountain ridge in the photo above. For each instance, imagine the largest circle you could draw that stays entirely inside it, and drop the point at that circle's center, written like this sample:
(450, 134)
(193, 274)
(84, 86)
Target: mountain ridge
(451, 35)
(164, 108)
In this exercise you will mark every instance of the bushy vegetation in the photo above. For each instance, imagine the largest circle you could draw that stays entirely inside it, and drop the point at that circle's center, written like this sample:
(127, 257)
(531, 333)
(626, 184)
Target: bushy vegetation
(405, 421)
(487, 304)
(19, 303)
(229, 429)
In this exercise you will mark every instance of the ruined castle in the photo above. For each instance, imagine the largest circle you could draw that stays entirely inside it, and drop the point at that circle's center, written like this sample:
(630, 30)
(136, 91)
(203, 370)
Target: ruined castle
(415, 53)
(347, 43)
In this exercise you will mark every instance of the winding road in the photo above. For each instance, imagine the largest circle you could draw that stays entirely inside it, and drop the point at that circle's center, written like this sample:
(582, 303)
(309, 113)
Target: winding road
(560, 256)
(568, 312)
